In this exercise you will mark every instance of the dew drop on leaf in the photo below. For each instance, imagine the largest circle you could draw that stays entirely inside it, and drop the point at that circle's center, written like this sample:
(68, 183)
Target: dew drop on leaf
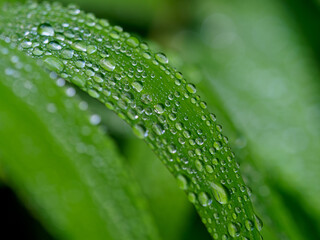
(162, 58)
(53, 64)
(137, 86)
(203, 199)
(182, 182)
(45, 29)
(107, 64)
(220, 193)
(258, 223)
(79, 46)
(78, 80)
(249, 225)
(159, 108)
(140, 131)
(233, 229)
(133, 42)
(191, 88)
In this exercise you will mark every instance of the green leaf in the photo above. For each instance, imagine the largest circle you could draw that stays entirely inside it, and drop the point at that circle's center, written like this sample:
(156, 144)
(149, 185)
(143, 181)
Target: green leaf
(155, 99)
(63, 166)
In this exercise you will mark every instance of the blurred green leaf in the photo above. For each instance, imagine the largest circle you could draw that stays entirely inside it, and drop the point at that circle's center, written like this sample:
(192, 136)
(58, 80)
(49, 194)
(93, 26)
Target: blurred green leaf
(65, 168)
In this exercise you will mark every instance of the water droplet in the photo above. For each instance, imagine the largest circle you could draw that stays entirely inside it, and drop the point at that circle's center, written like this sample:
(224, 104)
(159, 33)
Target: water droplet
(192, 197)
(93, 93)
(161, 58)
(158, 129)
(182, 182)
(217, 145)
(79, 80)
(91, 49)
(54, 45)
(53, 64)
(191, 88)
(133, 42)
(45, 29)
(67, 53)
(79, 46)
(137, 86)
(233, 230)
(198, 165)
(140, 131)
(258, 223)
(107, 64)
(159, 108)
(220, 193)
(203, 199)
(249, 225)
(172, 148)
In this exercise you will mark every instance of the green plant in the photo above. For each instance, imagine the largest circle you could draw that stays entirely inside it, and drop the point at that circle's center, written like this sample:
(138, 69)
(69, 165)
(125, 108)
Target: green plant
(69, 167)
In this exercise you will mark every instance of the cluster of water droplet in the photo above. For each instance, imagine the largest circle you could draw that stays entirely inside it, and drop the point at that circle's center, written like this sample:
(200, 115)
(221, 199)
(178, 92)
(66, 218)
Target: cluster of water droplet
(154, 98)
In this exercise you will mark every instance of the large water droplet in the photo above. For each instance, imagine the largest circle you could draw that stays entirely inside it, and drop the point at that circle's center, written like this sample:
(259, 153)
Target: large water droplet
(220, 193)
(45, 29)
(107, 64)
